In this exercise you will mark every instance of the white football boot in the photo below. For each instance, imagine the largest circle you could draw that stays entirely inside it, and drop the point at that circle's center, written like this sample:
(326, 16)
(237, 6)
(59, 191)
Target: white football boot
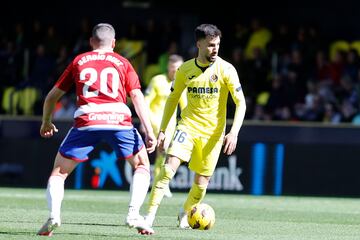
(138, 222)
(149, 219)
(183, 219)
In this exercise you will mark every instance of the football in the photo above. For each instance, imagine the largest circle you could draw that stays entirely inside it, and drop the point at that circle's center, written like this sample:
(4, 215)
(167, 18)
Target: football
(201, 216)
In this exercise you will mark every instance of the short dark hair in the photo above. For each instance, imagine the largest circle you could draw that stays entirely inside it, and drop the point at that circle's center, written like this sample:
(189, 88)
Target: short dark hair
(205, 30)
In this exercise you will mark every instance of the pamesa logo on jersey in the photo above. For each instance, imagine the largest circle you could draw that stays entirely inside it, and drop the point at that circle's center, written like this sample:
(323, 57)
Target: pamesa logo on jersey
(208, 90)
(205, 93)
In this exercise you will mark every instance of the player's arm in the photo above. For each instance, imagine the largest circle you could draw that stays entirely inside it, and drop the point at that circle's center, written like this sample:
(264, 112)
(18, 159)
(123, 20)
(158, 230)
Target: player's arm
(47, 128)
(237, 95)
(173, 99)
(63, 85)
(138, 101)
(171, 103)
(183, 100)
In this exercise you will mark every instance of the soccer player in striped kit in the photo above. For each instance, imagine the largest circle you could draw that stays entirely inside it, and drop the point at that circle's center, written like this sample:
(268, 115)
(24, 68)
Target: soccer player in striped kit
(103, 79)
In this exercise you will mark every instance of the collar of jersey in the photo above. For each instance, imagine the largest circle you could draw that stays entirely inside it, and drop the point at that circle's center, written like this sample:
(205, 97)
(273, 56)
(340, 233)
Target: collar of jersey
(103, 50)
(202, 66)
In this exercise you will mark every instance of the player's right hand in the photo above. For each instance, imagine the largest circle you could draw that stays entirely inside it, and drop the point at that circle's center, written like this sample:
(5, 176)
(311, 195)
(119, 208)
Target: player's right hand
(160, 141)
(47, 129)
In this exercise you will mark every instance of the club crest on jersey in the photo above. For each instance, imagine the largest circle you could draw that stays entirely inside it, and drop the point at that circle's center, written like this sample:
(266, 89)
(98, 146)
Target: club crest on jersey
(213, 78)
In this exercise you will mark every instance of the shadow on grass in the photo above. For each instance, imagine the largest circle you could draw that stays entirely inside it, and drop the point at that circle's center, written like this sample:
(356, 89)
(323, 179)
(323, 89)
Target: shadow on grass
(92, 224)
(17, 233)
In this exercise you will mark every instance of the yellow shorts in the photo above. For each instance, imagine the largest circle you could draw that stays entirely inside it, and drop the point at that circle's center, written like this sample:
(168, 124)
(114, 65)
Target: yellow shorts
(202, 153)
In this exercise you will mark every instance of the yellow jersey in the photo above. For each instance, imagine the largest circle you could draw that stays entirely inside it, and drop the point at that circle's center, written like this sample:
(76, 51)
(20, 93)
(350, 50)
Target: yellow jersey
(156, 95)
(207, 89)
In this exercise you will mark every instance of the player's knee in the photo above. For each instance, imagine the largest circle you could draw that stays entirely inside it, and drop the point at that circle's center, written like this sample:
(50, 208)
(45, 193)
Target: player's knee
(201, 180)
(173, 161)
(140, 159)
(143, 169)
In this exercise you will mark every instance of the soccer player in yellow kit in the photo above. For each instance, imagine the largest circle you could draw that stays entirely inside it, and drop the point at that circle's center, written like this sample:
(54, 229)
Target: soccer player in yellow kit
(156, 95)
(200, 134)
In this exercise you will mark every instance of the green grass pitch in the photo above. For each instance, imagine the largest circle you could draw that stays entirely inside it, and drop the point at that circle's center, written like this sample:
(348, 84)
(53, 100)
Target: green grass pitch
(91, 214)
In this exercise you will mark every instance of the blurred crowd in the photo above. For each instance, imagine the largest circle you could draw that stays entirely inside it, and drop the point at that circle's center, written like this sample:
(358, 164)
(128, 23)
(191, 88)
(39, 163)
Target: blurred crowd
(294, 74)
(289, 73)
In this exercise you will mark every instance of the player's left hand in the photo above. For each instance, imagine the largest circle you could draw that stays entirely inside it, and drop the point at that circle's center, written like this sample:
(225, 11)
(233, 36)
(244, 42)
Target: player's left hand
(161, 141)
(150, 142)
(230, 142)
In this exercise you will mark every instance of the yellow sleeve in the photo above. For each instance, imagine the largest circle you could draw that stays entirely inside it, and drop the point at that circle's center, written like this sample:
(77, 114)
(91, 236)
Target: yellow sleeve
(150, 92)
(183, 100)
(237, 95)
(173, 99)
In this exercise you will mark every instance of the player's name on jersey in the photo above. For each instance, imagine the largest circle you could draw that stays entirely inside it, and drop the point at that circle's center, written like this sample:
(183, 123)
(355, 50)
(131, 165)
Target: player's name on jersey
(95, 57)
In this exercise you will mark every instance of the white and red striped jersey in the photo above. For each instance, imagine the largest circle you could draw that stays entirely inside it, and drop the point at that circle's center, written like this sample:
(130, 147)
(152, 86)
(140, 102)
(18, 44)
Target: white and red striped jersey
(102, 80)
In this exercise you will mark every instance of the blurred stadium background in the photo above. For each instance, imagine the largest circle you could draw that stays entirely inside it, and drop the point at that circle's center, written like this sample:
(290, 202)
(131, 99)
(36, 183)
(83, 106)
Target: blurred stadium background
(295, 173)
(298, 64)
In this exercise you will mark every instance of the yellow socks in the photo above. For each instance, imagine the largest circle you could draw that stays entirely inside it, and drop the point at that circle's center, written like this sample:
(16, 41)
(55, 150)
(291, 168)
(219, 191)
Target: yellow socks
(196, 195)
(158, 189)
(159, 161)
